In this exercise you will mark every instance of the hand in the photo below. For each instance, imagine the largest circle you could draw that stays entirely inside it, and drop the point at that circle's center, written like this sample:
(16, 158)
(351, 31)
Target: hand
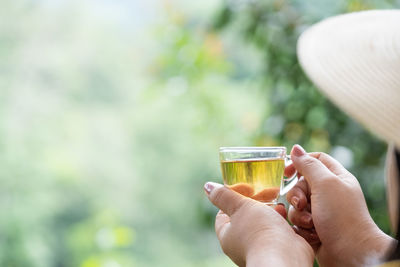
(254, 234)
(348, 235)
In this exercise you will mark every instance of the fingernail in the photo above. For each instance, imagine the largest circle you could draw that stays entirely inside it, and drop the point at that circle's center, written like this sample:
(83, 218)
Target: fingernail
(209, 187)
(306, 219)
(298, 151)
(295, 202)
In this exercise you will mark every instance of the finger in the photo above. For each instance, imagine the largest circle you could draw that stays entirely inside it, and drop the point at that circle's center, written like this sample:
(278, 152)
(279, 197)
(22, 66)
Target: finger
(222, 222)
(225, 199)
(302, 219)
(280, 208)
(299, 194)
(308, 207)
(310, 235)
(245, 189)
(267, 194)
(313, 169)
(332, 164)
(290, 170)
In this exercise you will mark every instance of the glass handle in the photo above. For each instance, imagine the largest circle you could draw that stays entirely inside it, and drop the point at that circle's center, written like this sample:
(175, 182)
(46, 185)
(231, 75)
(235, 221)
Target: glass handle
(288, 182)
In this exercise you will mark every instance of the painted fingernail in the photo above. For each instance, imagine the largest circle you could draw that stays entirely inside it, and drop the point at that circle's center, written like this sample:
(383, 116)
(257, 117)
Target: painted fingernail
(295, 202)
(298, 151)
(210, 186)
(306, 219)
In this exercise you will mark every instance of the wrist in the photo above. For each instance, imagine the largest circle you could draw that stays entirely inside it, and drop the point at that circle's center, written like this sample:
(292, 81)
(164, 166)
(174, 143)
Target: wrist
(267, 258)
(377, 246)
(382, 246)
(291, 253)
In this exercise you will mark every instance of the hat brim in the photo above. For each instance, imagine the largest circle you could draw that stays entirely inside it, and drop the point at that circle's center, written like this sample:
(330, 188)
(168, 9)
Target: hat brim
(354, 59)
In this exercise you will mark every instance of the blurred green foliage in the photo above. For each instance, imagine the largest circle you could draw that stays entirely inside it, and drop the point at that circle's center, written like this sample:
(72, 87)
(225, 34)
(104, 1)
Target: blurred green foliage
(298, 113)
(107, 135)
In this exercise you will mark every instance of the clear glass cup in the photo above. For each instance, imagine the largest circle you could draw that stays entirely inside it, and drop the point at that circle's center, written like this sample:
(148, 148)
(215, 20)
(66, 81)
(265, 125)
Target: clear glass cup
(257, 172)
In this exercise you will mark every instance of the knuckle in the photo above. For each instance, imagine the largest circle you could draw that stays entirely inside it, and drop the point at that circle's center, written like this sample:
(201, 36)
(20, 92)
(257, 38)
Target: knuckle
(242, 204)
(294, 219)
(218, 195)
(309, 162)
(316, 155)
(330, 179)
(294, 192)
(289, 196)
(322, 155)
(297, 191)
(225, 199)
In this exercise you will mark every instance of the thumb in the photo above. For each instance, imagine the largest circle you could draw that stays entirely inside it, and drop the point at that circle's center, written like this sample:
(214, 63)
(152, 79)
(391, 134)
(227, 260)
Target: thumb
(313, 170)
(223, 198)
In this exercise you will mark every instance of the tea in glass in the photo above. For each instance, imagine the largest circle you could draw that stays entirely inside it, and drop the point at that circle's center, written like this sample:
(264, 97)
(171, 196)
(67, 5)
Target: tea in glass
(256, 172)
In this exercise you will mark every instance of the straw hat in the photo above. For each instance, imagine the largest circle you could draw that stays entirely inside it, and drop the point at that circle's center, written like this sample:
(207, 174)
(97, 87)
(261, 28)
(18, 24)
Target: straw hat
(354, 59)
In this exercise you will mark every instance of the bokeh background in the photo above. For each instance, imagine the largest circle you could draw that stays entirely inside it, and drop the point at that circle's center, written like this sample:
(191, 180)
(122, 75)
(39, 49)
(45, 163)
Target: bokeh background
(112, 112)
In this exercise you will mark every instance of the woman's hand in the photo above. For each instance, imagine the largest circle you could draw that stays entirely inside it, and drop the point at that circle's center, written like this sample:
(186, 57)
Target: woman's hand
(348, 235)
(254, 234)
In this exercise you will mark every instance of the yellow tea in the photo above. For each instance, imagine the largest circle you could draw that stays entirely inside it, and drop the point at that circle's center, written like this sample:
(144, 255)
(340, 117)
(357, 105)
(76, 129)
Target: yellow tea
(255, 178)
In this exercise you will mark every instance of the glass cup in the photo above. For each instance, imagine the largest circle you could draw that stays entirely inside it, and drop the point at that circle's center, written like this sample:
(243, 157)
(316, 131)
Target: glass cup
(257, 172)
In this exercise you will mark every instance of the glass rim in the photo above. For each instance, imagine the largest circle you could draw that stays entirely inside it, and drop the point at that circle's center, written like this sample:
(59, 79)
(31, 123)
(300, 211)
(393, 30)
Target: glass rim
(250, 148)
